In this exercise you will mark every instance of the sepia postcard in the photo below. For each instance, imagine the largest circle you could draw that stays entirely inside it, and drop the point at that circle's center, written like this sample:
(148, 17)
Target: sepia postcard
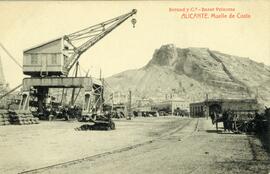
(135, 87)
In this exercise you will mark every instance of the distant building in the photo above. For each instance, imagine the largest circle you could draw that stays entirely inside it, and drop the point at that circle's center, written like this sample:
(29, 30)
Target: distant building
(209, 106)
(171, 105)
(142, 105)
(197, 109)
(119, 108)
(119, 98)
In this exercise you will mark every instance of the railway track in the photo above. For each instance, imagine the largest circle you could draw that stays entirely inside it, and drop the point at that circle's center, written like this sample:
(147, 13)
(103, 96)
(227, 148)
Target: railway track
(94, 157)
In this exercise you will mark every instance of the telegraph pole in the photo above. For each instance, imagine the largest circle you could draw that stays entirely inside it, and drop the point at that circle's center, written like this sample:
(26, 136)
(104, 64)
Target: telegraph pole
(129, 105)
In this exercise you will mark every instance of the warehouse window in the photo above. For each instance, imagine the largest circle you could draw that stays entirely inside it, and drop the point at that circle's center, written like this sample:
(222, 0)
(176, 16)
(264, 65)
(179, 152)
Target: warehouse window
(34, 59)
(54, 60)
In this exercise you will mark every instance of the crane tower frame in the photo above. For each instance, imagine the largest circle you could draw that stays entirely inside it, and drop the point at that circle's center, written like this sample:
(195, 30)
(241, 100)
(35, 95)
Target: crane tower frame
(49, 64)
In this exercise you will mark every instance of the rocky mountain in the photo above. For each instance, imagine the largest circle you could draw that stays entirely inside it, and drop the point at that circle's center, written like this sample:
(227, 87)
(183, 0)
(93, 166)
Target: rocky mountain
(191, 73)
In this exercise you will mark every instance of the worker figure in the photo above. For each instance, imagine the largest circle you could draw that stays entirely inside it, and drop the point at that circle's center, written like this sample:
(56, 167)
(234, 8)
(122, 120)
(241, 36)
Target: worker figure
(215, 120)
(65, 113)
(50, 112)
(212, 115)
(258, 122)
(225, 117)
(230, 121)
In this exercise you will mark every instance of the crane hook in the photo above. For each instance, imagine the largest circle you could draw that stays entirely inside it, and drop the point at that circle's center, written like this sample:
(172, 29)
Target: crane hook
(133, 21)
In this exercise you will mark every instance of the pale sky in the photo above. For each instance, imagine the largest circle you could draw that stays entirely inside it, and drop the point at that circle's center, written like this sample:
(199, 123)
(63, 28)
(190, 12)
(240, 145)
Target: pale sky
(26, 24)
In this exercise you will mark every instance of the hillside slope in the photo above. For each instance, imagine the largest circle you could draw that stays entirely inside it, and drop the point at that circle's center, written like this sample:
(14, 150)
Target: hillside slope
(191, 73)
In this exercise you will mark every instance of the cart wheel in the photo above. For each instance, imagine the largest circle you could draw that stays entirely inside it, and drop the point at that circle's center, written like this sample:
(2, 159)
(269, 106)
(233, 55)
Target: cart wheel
(112, 125)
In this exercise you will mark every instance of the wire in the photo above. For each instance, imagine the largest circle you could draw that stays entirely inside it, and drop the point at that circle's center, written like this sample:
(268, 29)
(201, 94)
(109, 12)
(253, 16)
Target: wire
(8, 53)
(10, 91)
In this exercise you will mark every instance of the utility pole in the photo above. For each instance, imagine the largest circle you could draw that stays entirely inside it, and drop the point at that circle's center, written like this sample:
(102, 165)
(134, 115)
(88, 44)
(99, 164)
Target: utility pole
(102, 93)
(100, 73)
(101, 90)
(129, 102)
(112, 102)
(205, 110)
(129, 105)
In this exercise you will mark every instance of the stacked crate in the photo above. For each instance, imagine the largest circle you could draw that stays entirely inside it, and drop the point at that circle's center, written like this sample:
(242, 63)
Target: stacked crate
(23, 118)
(4, 118)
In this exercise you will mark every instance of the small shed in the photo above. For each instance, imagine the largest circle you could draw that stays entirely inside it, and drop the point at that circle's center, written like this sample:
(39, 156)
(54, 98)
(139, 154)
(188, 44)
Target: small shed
(48, 58)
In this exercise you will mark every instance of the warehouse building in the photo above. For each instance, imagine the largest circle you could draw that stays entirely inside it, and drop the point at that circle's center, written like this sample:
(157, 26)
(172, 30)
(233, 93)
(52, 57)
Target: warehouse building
(205, 108)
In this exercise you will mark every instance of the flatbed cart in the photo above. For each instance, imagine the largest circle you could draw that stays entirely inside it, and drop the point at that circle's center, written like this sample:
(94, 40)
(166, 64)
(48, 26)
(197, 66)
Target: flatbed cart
(100, 122)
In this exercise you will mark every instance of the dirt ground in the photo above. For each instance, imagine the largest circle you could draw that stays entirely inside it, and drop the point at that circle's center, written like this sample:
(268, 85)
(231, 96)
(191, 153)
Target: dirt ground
(142, 145)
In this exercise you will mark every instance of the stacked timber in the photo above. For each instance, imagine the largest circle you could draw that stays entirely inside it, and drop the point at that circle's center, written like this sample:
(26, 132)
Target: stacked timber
(4, 118)
(22, 118)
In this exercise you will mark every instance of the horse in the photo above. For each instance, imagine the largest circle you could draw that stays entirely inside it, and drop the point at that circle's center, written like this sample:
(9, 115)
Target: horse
(216, 118)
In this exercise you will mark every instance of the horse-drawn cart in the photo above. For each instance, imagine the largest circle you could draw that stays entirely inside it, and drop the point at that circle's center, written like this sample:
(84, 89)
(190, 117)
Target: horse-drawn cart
(241, 121)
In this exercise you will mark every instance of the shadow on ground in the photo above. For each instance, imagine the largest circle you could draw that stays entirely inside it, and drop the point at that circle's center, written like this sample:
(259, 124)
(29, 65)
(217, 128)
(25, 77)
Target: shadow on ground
(248, 166)
(265, 139)
(214, 131)
(87, 127)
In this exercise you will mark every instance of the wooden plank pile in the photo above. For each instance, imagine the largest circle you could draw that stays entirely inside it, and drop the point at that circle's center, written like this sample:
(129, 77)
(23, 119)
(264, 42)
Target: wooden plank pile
(23, 118)
(4, 118)
(17, 118)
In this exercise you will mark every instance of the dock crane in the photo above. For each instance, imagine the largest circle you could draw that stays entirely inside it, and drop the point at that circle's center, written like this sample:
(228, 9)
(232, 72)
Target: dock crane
(67, 50)
(49, 65)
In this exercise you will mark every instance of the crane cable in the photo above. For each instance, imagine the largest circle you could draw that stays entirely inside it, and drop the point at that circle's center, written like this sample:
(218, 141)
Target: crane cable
(8, 53)
(17, 63)
(10, 91)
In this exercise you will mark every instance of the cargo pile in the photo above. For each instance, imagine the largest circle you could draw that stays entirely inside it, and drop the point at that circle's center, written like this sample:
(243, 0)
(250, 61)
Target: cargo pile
(17, 118)
(4, 118)
(23, 118)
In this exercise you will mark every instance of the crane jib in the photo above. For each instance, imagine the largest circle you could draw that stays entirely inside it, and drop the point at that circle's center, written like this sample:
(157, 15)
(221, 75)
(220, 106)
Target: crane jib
(103, 29)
